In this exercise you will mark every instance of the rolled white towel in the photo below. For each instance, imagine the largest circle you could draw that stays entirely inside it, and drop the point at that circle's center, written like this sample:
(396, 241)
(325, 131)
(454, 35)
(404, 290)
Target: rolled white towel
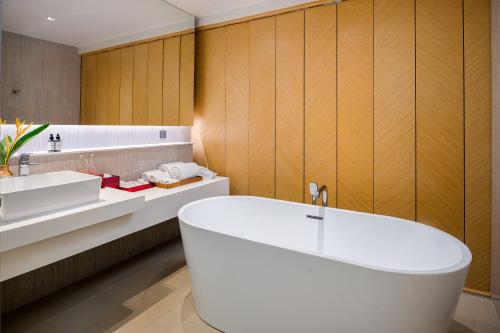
(151, 174)
(167, 166)
(184, 171)
(206, 174)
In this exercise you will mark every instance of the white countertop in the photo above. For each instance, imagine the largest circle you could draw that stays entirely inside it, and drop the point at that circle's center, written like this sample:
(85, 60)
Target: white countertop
(112, 203)
(37, 241)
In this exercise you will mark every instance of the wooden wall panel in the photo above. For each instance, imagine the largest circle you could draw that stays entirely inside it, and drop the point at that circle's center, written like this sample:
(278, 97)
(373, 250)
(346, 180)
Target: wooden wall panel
(355, 105)
(477, 39)
(113, 112)
(321, 99)
(495, 223)
(155, 82)
(83, 91)
(91, 89)
(140, 85)
(210, 96)
(171, 81)
(237, 106)
(440, 115)
(102, 89)
(126, 85)
(290, 106)
(186, 93)
(394, 108)
(262, 131)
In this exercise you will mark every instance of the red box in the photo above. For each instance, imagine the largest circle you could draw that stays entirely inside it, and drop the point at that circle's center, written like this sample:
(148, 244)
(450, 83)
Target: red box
(113, 182)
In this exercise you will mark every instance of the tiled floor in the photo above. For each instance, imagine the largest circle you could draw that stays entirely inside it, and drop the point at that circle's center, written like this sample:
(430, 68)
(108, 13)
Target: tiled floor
(152, 294)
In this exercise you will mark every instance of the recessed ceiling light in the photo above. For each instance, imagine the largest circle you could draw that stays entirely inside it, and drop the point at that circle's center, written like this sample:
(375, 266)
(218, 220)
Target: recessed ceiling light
(50, 18)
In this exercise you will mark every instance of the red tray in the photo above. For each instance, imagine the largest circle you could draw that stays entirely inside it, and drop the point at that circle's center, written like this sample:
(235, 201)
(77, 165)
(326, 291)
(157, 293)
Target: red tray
(137, 188)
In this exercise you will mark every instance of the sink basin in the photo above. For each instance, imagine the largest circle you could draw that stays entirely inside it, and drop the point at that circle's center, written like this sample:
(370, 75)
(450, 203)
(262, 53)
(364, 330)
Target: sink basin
(32, 195)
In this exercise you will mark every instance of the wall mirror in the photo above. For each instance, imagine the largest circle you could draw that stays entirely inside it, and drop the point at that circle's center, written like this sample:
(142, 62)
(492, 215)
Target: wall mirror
(113, 62)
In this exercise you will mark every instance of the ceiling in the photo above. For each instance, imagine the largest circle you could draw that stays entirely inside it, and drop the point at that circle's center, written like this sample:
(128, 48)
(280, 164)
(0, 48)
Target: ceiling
(93, 24)
(97, 24)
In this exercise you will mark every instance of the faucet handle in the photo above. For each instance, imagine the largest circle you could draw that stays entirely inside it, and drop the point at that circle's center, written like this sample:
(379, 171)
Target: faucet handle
(313, 188)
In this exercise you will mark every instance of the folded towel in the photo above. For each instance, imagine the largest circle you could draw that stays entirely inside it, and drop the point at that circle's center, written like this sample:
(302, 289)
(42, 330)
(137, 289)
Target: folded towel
(206, 174)
(166, 166)
(184, 171)
(151, 174)
(168, 181)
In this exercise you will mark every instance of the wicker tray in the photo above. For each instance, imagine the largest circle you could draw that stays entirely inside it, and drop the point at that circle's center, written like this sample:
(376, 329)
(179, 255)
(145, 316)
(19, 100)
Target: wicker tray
(182, 182)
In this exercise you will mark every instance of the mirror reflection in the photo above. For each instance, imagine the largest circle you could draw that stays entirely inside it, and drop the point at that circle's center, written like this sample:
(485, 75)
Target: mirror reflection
(96, 62)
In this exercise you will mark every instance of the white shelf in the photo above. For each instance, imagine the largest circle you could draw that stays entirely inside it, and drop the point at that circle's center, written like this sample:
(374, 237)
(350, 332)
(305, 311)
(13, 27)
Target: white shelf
(100, 149)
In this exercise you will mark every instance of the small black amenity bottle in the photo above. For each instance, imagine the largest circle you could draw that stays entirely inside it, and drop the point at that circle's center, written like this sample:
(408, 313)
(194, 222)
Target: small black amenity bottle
(51, 144)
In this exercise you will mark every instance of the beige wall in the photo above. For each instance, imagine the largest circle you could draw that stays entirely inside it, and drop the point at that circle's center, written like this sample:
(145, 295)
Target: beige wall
(48, 77)
(495, 287)
(386, 102)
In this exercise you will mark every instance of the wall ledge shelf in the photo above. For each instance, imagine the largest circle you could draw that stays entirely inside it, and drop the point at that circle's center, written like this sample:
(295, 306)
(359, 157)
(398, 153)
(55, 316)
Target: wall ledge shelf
(100, 149)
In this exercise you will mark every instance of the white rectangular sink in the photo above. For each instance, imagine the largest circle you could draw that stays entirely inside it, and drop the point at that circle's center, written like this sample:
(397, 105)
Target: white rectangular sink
(26, 196)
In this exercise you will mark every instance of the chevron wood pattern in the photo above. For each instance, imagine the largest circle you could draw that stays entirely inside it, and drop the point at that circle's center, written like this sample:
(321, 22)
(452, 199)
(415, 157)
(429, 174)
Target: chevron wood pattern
(355, 105)
(91, 89)
(140, 85)
(186, 98)
(171, 76)
(126, 85)
(477, 40)
(210, 98)
(405, 145)
(83, 91)
(237, 106)
(155, 81)
(394, 108)
(102, 89)
(440, 115)
(290, 106)
(113, 112)
(321, 99)
(262, 126)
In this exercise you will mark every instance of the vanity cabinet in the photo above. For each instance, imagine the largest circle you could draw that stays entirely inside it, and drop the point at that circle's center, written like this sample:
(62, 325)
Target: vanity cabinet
(147, 83)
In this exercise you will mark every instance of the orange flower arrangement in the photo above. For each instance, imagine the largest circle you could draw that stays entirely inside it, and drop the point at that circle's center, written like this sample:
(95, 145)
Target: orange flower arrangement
(9, 146)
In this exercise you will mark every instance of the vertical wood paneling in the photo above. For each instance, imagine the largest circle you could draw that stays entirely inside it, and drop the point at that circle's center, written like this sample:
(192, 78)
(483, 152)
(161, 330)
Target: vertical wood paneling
(394, 108)
(171, 81)
(102, 89)
(186, 80)
(237, 106)
(355, 105)
(495, 225)
(83, 91)
(290, 106)
(140, 85)
(114, 61)
(440, 115)
(321, 99)
(91, 91)
(210, 96)
(477, 42)
(155, 83)
(262, 144)
(126, 85)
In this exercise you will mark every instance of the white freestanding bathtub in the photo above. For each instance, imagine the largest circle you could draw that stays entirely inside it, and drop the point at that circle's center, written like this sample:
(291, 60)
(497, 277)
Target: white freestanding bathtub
(259, 265)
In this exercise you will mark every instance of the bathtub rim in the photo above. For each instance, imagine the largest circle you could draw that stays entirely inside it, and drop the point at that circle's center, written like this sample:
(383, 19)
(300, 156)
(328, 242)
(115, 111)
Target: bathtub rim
(463, 263)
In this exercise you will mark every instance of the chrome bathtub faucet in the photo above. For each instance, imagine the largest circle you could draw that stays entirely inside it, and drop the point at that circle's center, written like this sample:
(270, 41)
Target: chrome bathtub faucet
(315, 194)
(24, 165)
